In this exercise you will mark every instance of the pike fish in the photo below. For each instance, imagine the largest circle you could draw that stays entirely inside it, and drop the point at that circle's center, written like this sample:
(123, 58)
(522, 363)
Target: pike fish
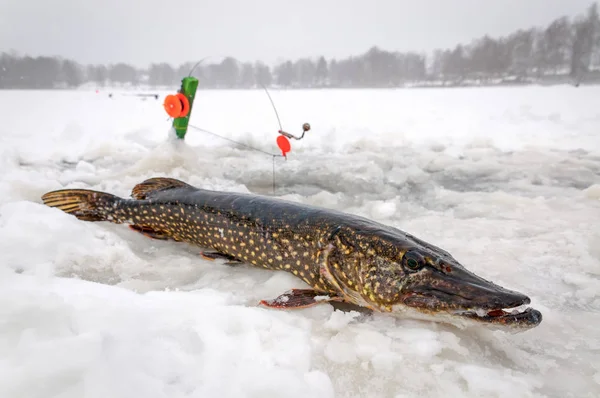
(341, 257)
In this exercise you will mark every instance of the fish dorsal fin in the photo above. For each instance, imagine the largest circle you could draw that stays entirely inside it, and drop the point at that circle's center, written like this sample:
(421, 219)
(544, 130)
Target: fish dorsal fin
(153, 185)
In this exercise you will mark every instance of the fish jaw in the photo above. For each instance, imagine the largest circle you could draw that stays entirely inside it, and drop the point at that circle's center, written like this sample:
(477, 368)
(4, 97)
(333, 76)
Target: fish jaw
(462, 298)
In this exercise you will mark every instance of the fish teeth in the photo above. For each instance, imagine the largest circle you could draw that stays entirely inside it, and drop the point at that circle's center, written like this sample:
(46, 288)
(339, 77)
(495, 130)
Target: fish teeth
(516, 310)
(481, 312)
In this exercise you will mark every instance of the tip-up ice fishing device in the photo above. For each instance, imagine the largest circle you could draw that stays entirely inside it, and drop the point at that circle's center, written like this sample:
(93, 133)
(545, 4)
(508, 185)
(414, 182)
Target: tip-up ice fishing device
(179, 106)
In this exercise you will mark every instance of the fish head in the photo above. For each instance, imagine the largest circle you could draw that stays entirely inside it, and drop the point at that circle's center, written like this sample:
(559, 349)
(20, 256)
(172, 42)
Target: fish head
(411, 278)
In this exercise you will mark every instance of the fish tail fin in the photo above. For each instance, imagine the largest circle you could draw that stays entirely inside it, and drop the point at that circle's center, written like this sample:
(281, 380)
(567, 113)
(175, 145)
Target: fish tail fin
(84, 204)
(148, 187)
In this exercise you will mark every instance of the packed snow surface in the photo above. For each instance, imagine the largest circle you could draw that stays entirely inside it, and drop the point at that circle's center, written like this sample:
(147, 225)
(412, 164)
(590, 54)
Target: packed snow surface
(505, 179)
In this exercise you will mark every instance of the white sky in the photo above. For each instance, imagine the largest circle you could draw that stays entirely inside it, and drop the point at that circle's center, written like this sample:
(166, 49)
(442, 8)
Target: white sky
(141, 32)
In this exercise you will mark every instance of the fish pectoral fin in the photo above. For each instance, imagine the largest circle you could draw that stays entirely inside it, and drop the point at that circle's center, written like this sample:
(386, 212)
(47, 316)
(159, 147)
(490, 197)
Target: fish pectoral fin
(150, 232)
(217, 255)
(144, 189)
(299, 298)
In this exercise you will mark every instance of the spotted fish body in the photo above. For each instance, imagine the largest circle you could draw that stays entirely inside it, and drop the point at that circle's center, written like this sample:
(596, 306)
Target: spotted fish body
(340, 256)
(264, 232)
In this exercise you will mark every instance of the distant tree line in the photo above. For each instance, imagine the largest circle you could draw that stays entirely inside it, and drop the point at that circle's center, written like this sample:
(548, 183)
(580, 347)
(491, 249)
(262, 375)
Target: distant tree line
(564, 49)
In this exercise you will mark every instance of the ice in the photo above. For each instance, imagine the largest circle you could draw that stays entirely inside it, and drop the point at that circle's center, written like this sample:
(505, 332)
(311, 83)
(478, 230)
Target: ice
(505, 179)
(593, 191)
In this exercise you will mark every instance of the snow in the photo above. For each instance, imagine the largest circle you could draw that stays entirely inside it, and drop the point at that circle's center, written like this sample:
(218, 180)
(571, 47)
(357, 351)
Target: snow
(505, 179)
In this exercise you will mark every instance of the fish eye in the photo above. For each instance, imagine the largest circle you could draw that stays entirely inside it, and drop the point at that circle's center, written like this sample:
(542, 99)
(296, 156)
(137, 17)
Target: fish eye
(413, 261)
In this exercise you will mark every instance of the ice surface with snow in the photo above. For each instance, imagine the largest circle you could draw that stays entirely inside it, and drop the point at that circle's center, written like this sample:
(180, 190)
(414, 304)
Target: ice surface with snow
(505, 179)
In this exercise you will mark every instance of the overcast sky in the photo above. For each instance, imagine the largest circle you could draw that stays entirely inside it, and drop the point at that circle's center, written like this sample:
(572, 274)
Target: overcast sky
(145, 31)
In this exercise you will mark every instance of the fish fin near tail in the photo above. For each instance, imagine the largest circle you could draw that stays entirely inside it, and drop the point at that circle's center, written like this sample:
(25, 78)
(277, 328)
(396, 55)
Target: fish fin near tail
(211, 256)
(153, 185)
(84, 204)
(151, 232)
(299, 298)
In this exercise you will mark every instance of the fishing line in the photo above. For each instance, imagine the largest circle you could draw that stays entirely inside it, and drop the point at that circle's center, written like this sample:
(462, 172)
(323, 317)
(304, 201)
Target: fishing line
(234, 141)
(196, 65)
(273, 156)
(274, 108)
(273, 174)
(202, 60)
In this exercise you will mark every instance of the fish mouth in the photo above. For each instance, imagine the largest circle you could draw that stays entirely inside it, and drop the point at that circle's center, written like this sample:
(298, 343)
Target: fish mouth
(462, 294)
(524, 316)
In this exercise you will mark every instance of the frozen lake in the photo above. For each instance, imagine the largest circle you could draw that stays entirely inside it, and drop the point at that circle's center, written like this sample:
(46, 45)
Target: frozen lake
(505, 179)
